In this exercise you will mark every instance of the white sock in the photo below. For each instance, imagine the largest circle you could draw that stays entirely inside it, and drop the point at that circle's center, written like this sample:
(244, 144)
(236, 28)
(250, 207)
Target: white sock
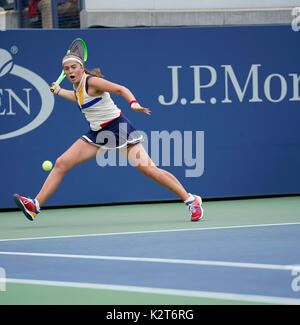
(190, 198)
(37, 204)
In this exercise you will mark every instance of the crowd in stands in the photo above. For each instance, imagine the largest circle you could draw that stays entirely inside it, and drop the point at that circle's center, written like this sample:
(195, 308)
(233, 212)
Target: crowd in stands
(40, 12)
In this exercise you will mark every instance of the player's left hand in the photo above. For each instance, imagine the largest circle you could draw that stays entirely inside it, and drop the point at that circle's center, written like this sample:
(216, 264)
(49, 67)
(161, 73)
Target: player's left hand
(142, 109)
(137, 107)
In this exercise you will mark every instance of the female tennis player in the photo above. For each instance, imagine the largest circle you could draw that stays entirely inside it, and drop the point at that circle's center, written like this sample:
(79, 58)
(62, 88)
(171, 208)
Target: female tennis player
(92, 95)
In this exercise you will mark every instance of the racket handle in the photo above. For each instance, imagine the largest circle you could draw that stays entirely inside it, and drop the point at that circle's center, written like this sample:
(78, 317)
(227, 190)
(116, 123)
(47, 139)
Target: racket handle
(59, 80)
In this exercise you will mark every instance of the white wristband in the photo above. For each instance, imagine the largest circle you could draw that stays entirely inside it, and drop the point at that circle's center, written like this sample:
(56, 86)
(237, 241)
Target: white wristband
(135, 105)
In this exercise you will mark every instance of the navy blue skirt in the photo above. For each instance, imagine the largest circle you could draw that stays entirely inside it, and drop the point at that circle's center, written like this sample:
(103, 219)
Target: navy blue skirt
(119, 133)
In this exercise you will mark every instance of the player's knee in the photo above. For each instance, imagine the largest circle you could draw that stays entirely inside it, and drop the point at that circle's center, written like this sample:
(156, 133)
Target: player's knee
(149, 171)
(62, 164)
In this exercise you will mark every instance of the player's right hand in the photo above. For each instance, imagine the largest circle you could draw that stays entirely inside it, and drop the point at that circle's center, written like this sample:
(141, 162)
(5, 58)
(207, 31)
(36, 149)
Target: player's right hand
(55, 88)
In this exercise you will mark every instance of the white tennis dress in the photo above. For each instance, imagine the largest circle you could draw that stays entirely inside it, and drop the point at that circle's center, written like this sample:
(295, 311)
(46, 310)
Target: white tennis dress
(109, 128)
(97, 110)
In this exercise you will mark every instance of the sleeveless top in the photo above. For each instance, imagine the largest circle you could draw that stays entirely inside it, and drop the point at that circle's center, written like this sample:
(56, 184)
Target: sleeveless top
(98, 111)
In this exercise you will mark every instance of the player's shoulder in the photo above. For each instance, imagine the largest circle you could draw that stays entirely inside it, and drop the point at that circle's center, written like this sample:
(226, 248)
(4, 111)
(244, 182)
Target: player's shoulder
(92, 84)
(92, 79)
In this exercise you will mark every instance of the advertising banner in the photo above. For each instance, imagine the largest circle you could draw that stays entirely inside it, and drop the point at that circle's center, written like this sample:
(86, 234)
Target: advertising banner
(225, 105)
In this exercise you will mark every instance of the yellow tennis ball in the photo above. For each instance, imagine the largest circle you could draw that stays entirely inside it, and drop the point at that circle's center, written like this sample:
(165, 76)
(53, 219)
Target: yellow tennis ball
(47, 165)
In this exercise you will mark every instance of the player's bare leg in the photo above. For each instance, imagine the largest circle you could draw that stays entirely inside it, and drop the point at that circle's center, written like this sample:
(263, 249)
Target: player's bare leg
(78, 153)
(140, 158)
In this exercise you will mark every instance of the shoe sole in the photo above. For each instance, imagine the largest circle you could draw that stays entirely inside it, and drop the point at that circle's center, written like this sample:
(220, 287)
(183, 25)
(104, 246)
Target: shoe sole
(21, 206)
(202, 211)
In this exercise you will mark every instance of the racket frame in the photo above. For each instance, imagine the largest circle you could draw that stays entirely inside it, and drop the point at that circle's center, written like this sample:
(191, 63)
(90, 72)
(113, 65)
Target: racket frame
(63, 75)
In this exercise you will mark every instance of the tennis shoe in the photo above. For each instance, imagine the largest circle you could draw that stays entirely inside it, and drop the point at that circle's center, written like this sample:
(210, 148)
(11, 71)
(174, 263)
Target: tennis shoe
(28, 206)
(195, 208)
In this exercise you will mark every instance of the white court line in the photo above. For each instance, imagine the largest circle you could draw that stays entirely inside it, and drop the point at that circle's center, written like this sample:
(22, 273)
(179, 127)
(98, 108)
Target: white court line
(163, 291)
(154, 231)
(159, 260)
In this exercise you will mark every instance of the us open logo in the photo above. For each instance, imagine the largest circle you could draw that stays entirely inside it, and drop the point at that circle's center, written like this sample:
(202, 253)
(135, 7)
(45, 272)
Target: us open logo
(15, 101)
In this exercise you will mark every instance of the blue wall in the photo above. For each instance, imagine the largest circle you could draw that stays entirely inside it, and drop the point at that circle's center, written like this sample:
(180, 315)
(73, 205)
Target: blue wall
(238, 90)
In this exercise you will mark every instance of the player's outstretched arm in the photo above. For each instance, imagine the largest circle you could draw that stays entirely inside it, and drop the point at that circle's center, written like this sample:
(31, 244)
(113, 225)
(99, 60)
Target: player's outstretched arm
(102, 85)
(57, 90)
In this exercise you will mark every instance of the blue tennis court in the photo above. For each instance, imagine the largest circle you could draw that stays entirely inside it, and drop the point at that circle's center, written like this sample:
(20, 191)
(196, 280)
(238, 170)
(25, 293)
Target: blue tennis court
(202, 264)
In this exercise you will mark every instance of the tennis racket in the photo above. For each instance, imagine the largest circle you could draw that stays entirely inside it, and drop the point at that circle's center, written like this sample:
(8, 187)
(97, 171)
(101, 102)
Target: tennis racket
(77, 47)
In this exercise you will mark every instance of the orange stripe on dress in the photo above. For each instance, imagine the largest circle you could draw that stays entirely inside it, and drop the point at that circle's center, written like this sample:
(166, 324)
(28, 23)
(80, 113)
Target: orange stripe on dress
(81, 92)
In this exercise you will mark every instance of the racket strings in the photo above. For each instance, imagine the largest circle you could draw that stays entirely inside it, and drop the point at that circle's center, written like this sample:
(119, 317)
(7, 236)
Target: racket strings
(77, 48)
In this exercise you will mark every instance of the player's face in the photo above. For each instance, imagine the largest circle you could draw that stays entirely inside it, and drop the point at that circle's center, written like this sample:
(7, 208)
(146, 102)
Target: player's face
(73, 71)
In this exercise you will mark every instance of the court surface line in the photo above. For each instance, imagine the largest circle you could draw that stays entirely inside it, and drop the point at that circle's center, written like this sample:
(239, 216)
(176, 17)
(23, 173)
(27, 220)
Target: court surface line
(160, 260)
(154, 231)
(162, 291)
